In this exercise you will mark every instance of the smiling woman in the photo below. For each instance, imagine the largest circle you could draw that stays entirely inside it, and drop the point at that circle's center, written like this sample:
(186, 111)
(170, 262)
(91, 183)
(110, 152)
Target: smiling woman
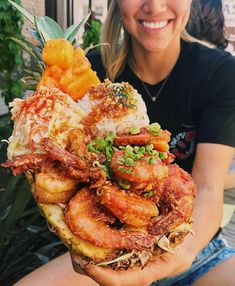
(197, 105)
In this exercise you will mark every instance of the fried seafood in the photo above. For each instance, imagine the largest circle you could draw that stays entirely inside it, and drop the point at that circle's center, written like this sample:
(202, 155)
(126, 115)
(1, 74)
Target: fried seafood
(151, 135)
(138, 171)
(176, 202)
(57, 153)
(52, 186)
(23, 163)
(76, 142)
(83, 218)
(103, 170)
(129, 208)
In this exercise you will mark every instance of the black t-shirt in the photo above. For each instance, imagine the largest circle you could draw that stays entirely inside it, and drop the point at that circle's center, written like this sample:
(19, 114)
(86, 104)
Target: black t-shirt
(197, 103)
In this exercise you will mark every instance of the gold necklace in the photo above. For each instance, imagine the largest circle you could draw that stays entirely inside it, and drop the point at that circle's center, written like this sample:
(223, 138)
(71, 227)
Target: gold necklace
(154, 98)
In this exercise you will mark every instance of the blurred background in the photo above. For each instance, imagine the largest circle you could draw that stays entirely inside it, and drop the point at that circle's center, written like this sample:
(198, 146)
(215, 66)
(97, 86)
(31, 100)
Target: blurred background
(25, 240)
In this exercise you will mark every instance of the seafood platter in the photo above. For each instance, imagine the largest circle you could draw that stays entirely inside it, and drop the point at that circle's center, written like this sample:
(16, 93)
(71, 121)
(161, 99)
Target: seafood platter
(101, 174)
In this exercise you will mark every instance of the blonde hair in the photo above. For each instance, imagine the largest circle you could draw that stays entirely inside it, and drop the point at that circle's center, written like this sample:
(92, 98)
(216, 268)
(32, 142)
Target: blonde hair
(115, 56)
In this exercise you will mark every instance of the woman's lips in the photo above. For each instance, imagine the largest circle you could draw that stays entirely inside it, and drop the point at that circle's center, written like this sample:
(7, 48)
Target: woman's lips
(154, 25)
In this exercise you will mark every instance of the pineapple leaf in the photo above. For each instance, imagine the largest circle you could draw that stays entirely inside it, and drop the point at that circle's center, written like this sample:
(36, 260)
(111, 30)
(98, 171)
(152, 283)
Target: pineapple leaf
(23, 44)
(23, 11)
(43, 35)
(36, 51)
(29, 83)
(71, 32)
(32, 19)
(34, 74)
(52, 29)
(36, 36)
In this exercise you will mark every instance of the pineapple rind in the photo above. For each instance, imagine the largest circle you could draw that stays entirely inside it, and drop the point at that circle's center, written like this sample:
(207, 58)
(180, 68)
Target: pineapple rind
(54, 215)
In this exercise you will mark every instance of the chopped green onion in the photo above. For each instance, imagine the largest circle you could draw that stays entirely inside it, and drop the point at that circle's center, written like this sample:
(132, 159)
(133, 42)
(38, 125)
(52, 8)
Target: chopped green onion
(155, 153)
(163, 155)
(151, 160)
(130, 162)
(136, 149)
(91, 148)
(125, 171)
(149, 194)
(155, 128)
(134, 130)
(138, 156)
(124, 184)
(129, 148)
(149, 149)
(142, 150)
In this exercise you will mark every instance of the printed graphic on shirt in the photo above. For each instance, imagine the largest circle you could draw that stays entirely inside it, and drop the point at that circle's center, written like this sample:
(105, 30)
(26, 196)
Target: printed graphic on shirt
(182, 145)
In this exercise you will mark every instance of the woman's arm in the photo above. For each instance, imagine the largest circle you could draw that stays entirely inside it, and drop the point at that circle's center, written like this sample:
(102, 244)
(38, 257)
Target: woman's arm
(209, 173)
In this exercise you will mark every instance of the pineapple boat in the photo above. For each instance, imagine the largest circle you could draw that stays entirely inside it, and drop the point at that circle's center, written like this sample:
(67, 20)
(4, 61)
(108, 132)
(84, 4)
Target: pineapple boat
(102, 176)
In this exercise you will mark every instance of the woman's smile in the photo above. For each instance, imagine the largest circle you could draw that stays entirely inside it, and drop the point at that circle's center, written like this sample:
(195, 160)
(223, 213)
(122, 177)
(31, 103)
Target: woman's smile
(154, 25)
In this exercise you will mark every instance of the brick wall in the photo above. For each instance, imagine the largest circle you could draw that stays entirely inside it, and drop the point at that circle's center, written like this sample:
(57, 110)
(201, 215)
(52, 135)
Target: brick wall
(39, 8)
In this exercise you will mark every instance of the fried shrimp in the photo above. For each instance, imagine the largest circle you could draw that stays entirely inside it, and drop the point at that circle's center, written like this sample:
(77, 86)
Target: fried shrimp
(57, 153)
(77, 146)
(176, 202)
(144, 173)
(145, 137)
(51, 186)
(82, 217)
(23, 163)
(132, 209)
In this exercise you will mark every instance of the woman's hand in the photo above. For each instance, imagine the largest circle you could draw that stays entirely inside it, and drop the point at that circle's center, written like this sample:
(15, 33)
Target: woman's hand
(167, 265)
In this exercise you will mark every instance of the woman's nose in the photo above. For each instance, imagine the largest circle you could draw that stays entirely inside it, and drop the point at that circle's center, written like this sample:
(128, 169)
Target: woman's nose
(154, 6)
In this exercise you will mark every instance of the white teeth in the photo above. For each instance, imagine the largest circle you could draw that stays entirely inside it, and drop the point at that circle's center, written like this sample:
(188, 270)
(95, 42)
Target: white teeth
(154, 25)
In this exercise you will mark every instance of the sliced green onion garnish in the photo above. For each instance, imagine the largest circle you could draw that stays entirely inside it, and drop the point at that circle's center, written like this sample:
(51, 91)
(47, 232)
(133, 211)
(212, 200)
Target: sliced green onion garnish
(163, 155)
(125, 171)
(134, 130)
(155, 128)
(149, 194)
(151, 160)
(124, 184)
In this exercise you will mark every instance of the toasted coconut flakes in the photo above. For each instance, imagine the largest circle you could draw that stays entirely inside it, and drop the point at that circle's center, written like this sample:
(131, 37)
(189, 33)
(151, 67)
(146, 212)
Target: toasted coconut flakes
(164, 243)
(123, 257)
(144, 256)
(184, 227)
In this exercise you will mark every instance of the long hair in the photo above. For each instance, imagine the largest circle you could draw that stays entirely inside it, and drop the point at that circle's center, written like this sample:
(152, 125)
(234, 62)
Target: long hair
(206, 22)
(115, 57)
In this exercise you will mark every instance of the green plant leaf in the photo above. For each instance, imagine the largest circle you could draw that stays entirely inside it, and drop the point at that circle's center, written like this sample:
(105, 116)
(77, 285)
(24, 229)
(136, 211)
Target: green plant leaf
(23, 11)
(21, 200)
(27, 46)
(92, 46)
(52, 29)
(32, 19)
(43, 35)
(36, 36)
(71, 32)
(10, 188)
(33, 74)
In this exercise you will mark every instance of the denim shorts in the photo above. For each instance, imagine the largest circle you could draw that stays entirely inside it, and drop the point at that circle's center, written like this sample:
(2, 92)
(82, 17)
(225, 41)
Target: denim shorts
(214, 253)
